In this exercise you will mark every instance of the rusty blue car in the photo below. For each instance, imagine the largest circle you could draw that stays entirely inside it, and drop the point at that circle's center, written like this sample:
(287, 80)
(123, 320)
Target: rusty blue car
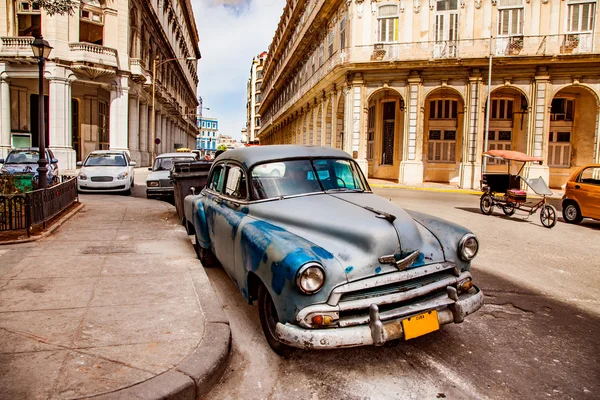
(331, 264)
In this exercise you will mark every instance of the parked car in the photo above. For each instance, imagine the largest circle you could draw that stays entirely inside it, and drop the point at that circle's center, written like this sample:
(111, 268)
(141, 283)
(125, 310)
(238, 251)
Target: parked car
(330, 263)
(106, 171)
(582, 195)
(159, 182)
(26, 160)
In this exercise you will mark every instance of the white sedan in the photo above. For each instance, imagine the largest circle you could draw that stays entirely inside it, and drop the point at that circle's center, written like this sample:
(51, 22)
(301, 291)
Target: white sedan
(106, 171)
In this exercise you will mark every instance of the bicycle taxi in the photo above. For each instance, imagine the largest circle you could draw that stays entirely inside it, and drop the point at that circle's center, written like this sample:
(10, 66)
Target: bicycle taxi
(504, 190)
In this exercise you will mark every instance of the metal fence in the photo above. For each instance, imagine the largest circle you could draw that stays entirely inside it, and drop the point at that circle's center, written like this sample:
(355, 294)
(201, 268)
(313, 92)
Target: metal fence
(23, 211)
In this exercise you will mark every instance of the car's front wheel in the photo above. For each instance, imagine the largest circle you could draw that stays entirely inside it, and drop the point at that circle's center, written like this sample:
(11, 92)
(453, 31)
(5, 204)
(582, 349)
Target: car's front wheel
(269, 320)
(206, 257)
(572, 213)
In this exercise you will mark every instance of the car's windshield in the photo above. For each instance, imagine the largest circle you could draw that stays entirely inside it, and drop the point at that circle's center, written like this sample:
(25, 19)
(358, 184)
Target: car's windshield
(23, 157)
(294, 177)
(165, 164)
(105, 160)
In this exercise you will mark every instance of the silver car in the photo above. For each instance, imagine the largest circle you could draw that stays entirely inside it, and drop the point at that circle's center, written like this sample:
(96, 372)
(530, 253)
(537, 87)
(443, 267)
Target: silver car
(159, 182)
(330, 263)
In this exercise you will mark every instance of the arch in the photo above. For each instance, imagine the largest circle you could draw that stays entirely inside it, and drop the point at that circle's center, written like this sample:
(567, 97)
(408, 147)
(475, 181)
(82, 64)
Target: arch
(578, 85)
(389, 90)
(339, 121)
(512, 87)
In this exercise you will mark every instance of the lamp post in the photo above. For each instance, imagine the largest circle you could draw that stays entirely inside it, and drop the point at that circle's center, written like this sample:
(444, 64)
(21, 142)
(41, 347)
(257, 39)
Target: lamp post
(156, 63)
(41, 49)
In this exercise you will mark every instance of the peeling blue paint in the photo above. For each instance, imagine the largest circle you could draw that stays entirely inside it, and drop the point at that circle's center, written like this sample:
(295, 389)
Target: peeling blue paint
(288, 268)
(245, 210)
(349, 269)
(321, 252)
(378, 270)
(419, 261)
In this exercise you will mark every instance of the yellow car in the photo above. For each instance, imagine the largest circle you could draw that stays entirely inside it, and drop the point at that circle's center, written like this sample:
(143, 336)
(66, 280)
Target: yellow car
(582, 195)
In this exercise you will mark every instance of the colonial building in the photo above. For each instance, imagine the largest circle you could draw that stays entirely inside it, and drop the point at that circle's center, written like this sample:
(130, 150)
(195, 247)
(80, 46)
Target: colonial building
(209, 134)
(403, 85)
(98, 79)
(226, 140)
(254, 97)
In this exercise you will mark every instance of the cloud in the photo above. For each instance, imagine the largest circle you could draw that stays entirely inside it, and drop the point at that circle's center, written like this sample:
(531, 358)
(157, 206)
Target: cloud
(231, 32)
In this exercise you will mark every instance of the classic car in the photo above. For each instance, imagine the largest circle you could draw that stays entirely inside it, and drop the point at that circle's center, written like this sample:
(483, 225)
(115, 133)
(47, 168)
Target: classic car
(106, 171)
(330, 263)
(159, 182)
(582, 195)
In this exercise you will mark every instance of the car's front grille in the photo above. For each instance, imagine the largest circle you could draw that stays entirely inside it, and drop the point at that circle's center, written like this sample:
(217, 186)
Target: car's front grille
(104, 188)
(101, 178)
(165, 183)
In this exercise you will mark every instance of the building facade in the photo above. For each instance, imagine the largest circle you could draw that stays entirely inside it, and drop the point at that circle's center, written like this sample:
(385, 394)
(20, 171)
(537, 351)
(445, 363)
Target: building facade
(227, 141)
(99, 77)
(403, 85)
(209, 135)
(254, 98)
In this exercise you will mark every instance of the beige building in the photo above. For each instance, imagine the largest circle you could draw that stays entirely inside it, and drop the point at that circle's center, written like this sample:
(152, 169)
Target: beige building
(98, 79)
(254, 98)
(403, 85)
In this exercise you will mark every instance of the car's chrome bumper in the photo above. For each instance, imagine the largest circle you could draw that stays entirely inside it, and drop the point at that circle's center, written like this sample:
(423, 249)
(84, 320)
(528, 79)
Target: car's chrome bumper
(376, 332)
(114, 186)
(160, 191)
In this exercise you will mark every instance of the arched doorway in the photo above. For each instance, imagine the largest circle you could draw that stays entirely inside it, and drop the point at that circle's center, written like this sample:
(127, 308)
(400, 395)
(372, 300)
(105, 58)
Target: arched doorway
(509, 120)
(385, 122)
(570, 138)
(442, 135)
(339, 122)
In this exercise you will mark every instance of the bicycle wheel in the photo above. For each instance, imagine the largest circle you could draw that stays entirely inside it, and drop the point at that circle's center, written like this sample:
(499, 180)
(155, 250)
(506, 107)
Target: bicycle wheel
(509, 209)
(548, 216)
(486, 204)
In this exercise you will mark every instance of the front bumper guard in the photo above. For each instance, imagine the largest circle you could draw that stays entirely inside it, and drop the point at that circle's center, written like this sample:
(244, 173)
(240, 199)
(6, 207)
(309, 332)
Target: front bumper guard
(377, 332)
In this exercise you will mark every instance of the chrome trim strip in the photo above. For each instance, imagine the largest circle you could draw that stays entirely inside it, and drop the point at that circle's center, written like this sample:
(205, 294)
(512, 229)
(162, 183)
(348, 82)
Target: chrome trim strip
(380, 280)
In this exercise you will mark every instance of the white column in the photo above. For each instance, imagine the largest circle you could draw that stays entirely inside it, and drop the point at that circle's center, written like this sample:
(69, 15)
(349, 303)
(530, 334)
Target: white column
(536, 142)
(470, 167)
(59, 122)
(119, 113)
(143, 122)
(134, 129)
(5, 122)
(165, 135)
(411, 167)
(158, 133)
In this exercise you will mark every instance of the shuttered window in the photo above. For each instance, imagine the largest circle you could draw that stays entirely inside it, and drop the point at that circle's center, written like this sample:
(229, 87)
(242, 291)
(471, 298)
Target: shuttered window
(387, 24)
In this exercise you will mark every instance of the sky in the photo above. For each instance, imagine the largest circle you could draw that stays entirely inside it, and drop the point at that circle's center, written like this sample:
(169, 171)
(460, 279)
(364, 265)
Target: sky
(231, 33)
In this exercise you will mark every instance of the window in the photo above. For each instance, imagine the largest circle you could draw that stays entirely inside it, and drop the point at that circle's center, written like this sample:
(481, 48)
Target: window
(590, 176)
(562, 110)
(343, 32)
(443, 109)
(501, 140)
(321, 54)
(502, 109)
(446, 21)
(387, 23)
(29, 19)
(103, 126)
(313, 64)
(258, 97)
(257, 121)
(91, 22)
(510, 18)
(442, 145)
(559, 149)
(236, 183)
(259, 74)
(215, 182)
(330, 40)
(581, 17)
(389, 132)
(257, 86)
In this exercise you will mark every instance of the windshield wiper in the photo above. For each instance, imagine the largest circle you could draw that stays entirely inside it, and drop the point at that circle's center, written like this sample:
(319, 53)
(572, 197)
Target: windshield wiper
(344, 190)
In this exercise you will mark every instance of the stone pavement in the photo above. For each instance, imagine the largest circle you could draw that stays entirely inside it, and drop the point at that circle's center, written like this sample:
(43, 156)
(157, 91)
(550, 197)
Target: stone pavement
(113, 304)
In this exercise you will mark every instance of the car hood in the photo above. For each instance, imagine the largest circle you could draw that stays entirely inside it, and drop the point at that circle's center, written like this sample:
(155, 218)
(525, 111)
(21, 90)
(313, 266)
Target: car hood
(355, 235)
(103, 171)
(157, 175)
(16, 168)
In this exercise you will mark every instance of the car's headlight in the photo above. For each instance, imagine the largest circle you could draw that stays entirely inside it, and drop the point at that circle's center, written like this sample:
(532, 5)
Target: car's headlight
(468, 247)
(82, 176)
(122, 175)
(310, 278)
(152, 183)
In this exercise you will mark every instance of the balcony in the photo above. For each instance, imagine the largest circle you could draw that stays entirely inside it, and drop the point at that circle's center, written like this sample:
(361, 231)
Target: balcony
(138, 71)
(17, 46)
(93, 53)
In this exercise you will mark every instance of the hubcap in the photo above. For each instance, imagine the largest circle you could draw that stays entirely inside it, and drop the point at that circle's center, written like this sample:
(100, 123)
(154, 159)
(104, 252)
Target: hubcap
(571, 212)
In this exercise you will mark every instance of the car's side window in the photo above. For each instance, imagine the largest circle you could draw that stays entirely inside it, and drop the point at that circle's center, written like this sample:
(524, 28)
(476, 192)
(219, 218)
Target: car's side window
(236, 182)
(590, 176)
(215, 182)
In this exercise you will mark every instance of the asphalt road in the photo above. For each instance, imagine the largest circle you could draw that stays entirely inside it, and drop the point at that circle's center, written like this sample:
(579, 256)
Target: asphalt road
(536, 337)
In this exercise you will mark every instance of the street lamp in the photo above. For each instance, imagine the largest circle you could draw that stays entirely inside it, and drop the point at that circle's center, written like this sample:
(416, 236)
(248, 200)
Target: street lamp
(155, 64)
(41, 49)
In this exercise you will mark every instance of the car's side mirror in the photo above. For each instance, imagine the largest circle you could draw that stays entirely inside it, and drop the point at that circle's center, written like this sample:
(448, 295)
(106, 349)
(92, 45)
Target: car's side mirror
(149, 168)
(1, 160)
(79, 163)
(133, 163)
(54, 161)
(193, 190)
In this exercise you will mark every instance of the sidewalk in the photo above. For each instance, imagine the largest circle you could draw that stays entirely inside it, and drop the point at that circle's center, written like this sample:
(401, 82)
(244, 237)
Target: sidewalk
(115, 304)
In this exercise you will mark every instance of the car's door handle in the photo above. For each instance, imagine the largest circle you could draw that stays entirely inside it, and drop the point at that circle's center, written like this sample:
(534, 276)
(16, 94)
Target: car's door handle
(233, 204)
(577, 187)
(218, 200)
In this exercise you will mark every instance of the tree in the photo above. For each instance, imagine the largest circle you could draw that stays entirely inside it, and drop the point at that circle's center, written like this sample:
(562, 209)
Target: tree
(222, 147)
(60, 7)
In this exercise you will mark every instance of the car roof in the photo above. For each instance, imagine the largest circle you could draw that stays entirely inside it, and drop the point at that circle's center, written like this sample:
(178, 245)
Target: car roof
(108, 152)
(250, 156)
(180, 154)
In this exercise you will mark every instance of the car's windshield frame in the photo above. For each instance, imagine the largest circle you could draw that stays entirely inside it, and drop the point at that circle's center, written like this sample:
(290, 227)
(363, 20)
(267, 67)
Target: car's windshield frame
(98, 155)
(359, 181)
(14, 153)
(159, 160)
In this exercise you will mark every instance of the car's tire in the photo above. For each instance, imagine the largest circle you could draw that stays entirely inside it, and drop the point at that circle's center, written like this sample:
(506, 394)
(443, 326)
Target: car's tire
(148, 195)
(571, 213)
(486, 204)
(509, 209)
(206, 256)
(269, 320)
(548, 216)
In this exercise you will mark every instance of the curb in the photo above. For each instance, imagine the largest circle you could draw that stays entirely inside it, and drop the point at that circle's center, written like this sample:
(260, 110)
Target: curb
(50, 230)
(425, 189)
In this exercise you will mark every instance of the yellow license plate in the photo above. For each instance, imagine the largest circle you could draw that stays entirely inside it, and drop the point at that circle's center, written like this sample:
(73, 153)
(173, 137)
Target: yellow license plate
(421, 324)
